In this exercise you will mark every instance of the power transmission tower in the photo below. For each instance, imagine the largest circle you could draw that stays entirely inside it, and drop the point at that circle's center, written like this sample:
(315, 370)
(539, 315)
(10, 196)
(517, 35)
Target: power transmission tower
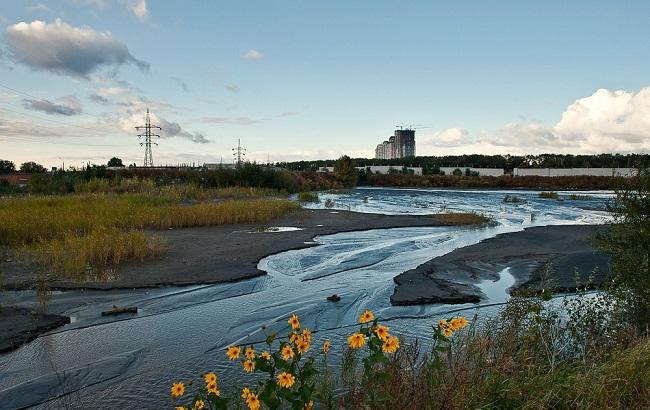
(148, 158)
(239, 153)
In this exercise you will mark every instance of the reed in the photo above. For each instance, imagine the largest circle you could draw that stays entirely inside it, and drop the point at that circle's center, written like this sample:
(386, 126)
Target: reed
(73, 256)
(25, 220)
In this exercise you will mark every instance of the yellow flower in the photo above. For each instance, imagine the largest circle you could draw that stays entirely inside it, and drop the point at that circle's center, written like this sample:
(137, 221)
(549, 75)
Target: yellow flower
(303, 346)
(326, 346)
(381, 331)
(249, 366)
(210, 378)
(233, 352)
(212, 388)
(366, 317)
(294, 322)
(177, 390)
(199, 404)
(286, 380)
(253, 402)
(306, 335)
(309, 406)
(245, 392)
(458, 323)
(250, 353)
(179, 408)
(266, 355)
(356, 340)
(390, 345)
(294, 337)
(442, 323)
(287, 352)
(447, 332)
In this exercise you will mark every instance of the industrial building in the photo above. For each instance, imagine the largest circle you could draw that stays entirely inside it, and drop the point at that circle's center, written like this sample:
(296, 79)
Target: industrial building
(400, 145)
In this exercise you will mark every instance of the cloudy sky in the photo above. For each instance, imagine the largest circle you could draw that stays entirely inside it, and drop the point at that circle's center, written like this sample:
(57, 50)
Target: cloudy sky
(316, 79)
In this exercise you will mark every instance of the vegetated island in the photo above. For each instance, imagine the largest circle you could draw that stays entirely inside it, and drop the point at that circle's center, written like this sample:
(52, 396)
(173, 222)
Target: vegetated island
(558, 258)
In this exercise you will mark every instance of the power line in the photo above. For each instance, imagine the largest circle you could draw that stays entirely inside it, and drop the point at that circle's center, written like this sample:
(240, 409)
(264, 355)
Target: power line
(40, 141)
(41, 98)
(239, 153)
(148, 157)
(45, 119)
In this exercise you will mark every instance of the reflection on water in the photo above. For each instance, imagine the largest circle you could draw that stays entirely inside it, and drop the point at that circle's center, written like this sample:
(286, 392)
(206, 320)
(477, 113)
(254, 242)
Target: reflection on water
(181, 332)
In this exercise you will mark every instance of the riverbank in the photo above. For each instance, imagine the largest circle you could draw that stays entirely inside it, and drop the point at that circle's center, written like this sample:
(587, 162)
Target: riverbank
(202, 255)
(228, 253)
(539, 258)
(22, 325)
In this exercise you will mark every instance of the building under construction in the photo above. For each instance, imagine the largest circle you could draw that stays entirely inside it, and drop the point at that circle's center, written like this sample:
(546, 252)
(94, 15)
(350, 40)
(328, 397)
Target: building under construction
(400, 145)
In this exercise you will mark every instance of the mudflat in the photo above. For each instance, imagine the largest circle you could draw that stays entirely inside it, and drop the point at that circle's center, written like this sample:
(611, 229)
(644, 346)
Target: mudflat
(230, 252)
(538, 257)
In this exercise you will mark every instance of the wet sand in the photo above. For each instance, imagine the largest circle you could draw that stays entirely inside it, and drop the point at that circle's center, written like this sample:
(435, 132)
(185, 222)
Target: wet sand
(539, 257)
(21, 325)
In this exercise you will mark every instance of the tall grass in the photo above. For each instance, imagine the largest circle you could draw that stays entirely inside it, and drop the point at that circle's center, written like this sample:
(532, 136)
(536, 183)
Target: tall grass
(527, 357)
(74, 256)
(33, 219)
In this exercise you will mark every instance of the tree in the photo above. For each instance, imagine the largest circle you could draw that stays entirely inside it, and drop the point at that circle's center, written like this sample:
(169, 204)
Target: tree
(115, 162)
(345, 171)
(628, 242)
(32, 168)
(7, 167)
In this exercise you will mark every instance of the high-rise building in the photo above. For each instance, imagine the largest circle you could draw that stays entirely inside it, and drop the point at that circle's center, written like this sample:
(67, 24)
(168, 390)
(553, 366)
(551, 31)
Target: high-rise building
(400, 145)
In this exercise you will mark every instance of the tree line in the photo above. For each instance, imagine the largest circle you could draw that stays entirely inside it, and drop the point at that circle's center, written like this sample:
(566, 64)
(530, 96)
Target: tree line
(431, 164)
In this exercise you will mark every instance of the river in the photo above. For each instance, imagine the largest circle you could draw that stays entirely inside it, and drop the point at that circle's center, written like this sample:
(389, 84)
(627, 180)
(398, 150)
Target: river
(181, 331)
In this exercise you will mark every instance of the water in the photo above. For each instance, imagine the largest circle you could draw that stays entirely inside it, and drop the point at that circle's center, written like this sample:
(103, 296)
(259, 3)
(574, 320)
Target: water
(181, 331)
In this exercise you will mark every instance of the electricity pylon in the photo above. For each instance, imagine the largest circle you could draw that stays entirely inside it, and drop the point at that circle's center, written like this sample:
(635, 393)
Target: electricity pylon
(148, 157)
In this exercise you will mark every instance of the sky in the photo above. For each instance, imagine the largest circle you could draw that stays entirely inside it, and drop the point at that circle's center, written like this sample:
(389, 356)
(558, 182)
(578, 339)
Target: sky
(308, 80)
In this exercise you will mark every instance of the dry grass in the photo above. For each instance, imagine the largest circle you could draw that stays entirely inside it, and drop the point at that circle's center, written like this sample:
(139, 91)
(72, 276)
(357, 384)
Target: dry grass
(73, 256)
(83, 236)
(460, 219)
(27, 220)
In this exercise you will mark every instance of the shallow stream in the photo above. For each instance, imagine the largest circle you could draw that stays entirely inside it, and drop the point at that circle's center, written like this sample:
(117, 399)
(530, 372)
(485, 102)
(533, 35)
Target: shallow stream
(126, 362)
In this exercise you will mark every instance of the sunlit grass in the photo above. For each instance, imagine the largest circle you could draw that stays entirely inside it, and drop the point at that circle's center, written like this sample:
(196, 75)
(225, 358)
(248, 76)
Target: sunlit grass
(33, 219)
(73, 255)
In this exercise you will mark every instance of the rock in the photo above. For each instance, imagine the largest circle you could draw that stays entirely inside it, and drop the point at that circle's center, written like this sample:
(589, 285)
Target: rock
(334, 298)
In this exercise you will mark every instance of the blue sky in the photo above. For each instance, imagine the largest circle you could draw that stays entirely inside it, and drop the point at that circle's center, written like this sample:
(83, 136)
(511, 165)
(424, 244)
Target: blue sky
(303, 80)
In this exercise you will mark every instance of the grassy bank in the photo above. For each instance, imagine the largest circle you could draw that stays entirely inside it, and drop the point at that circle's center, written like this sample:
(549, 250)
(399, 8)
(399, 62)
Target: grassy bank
(81, 236)
(30, 219)
(532, 355)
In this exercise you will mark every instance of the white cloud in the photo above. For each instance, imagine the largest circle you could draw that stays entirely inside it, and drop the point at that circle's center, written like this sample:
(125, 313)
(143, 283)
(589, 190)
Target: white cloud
(139, 9)
(66, 50)
(135, 117)
(252, 55)
(100, 4)
(606, 121)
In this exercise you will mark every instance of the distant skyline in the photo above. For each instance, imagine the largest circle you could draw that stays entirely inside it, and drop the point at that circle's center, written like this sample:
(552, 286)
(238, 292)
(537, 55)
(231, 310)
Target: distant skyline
(315, 80)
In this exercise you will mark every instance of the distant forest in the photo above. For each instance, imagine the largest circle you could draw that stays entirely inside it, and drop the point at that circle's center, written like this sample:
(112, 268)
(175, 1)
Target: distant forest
(507, 162)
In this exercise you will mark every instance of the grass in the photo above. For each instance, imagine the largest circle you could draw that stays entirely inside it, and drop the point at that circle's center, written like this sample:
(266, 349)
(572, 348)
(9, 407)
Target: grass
(468, 218)
(549, 195)
(97, 253)
(513, 199)
(308, 197)
(576, 197)
(524, 358)
(25, 220)
(82, 237)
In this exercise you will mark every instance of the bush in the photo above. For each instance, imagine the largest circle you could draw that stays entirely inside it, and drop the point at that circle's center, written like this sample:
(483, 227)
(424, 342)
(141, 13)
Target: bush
(308, 197)
(549, 195)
